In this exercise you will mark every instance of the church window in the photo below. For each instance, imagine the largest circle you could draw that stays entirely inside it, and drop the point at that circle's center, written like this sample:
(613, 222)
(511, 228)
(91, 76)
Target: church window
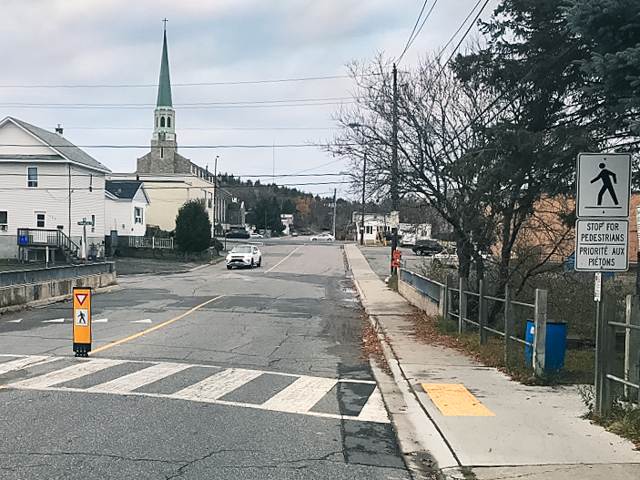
(161, 122)
(168, 122)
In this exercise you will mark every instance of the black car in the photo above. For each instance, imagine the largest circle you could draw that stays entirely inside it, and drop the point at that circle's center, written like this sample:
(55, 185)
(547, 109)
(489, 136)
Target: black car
(427, 247)
(238, 234)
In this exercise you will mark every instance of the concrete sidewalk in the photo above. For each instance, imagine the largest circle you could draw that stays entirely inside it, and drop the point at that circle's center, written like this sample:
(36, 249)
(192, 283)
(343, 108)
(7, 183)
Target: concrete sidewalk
(527, 432)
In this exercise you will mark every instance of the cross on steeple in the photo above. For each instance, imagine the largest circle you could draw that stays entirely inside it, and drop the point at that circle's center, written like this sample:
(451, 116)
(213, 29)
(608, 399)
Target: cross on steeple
(165, 23)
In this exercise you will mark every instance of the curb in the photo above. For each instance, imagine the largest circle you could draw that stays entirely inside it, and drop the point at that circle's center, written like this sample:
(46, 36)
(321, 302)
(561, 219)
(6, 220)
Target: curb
(421, 442)
(59, 298)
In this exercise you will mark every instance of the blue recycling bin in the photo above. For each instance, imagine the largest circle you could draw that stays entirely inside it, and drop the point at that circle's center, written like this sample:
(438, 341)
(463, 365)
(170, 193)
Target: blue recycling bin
(555, 345)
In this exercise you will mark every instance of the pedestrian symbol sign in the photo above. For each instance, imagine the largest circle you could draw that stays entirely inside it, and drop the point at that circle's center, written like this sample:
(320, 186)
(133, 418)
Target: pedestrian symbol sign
(604, 185)
(82, 317)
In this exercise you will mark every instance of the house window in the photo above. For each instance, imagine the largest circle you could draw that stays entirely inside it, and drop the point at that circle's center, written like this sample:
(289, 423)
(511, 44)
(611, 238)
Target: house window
(40, 216)
(3, 222)
(32, 176)
(137, 213)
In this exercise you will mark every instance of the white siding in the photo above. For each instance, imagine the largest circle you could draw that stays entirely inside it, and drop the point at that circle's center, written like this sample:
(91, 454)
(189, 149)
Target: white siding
(51, 196)
(16, 141)
(120, 216)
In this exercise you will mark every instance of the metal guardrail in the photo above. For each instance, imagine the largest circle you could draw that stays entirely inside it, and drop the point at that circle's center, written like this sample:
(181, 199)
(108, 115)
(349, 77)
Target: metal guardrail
(442, 295)
(426, 287)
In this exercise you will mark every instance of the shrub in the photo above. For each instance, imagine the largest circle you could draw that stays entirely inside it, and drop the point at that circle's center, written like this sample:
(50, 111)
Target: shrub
(193, 227)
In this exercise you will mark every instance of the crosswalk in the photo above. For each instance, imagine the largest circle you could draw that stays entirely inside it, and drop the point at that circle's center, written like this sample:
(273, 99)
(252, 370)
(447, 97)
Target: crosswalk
(358, 400)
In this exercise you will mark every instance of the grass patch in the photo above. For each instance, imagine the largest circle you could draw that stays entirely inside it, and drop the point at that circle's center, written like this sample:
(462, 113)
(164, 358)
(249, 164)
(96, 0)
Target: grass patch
(579, 364)
(624, 419)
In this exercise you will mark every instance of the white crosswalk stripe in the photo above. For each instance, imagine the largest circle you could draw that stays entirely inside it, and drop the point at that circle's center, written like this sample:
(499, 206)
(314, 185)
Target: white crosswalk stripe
(217, 385)
(133, 381)
(22, 362)
(302, 396)
(66, 374)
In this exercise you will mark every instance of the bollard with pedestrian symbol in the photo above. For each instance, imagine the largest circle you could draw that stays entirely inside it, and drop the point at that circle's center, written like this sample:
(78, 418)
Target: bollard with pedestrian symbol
(82, 321)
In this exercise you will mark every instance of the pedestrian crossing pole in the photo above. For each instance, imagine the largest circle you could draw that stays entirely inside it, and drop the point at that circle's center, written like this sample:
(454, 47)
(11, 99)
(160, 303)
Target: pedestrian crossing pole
(82, 321)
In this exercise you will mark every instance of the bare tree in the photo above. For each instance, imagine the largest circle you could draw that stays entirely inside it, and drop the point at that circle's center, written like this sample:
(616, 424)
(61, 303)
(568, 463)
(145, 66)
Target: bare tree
(435, 117)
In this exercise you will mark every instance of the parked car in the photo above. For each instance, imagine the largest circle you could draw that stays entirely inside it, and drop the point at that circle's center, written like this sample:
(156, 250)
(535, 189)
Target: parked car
(427, 247)
(238, 234)
(244, 256)
(322, 237)
(255, 235)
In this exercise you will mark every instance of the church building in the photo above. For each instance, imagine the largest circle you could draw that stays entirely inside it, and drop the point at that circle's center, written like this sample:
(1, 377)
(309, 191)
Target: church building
(170, 179)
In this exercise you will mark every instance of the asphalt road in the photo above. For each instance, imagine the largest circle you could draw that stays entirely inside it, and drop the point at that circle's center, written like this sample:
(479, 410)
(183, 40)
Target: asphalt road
(204, 374)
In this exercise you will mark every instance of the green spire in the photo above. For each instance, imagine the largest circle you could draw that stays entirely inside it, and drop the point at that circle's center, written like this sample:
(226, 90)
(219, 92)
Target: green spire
(164, 86)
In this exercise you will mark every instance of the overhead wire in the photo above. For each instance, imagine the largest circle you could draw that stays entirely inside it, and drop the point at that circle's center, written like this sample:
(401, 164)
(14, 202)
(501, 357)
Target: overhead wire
(413, 36)
(203, 84)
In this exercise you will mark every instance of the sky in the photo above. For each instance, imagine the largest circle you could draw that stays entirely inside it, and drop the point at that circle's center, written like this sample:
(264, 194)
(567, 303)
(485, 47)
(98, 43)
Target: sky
(255, 83)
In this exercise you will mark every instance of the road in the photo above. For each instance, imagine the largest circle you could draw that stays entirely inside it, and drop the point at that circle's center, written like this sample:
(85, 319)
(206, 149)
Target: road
(206, 374)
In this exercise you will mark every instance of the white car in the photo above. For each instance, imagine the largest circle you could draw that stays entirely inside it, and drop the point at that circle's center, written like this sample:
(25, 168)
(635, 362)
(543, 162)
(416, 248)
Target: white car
(256, 235)
(244, 256)
(323, 237)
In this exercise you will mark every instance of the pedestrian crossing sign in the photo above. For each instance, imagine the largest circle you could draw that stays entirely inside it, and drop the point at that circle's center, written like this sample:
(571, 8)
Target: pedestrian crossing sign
(604, 185)
(82, 321)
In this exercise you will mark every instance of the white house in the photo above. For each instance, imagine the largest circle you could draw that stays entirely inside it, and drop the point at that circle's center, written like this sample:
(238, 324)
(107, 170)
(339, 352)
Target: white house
(126, 207)
(49, 185)
(287, 221)
(376, 225)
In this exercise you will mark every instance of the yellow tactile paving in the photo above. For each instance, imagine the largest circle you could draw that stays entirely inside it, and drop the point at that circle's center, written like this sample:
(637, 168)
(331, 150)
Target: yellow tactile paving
(454, 400)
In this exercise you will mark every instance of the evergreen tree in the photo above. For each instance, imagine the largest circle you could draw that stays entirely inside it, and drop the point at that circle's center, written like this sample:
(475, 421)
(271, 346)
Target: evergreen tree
(266, 214)
(193, 227)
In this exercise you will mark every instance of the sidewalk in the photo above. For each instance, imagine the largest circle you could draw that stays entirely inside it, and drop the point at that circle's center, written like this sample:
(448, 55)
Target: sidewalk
(525, 432)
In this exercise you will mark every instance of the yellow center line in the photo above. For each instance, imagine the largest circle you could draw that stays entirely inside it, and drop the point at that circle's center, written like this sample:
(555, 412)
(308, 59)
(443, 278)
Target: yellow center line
(276, 265)
(153, 329)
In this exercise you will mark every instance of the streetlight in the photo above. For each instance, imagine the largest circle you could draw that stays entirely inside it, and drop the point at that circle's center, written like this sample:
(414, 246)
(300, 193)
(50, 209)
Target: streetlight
(364, 172)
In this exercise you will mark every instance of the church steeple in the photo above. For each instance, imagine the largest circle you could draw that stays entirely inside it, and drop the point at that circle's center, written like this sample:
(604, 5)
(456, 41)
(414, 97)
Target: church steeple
(164, 114)
(164, 85)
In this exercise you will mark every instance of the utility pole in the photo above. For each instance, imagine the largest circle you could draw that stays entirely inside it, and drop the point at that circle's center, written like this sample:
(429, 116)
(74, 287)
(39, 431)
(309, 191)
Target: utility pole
(364, 174)
(215, 185)
(394, 143)
(334, 213)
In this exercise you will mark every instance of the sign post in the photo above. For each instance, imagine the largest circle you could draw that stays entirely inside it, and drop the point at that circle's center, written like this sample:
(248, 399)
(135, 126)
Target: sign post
(602, 234)
(81, 321)
(84, 224)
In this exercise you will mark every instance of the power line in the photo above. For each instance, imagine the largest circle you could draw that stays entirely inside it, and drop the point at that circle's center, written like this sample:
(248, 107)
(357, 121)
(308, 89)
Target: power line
(220, 175)
(188, 106)
(459, 28)
(205, 129)
(204, 84)
(189, 147)
(174, 187)
(412, 37)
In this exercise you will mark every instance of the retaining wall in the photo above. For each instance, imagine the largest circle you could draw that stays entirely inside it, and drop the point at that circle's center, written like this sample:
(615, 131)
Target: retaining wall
(55, 289)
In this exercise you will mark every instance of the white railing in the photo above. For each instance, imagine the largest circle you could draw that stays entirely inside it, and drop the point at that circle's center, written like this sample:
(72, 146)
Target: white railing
(153, 242)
